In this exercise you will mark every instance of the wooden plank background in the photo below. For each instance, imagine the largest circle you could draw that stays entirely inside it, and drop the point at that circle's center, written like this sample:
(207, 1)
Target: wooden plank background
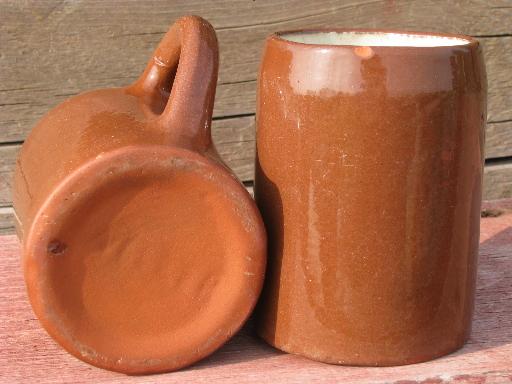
(51, 50)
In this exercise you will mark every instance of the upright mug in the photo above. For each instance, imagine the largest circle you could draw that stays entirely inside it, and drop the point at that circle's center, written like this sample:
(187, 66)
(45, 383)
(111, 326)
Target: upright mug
(369, 173)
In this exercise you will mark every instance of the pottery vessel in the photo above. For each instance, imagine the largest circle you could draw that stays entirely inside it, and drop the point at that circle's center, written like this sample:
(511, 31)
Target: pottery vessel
(141, 250)
(369, 171)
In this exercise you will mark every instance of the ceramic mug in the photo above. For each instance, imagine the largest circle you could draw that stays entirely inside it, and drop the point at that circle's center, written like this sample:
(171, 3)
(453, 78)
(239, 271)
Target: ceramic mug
(369, 170)
(142, 252)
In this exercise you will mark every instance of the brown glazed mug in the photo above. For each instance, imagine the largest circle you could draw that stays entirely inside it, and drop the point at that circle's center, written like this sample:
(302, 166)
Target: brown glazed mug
(142, 252)
(369, 169)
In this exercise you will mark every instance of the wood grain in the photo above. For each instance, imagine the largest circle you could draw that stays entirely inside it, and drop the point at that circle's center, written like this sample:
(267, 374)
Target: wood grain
(52, 50)
(28, 355)
(498, 140)
(6, 221)
(498, 61)
(498, 180)
(7, 160)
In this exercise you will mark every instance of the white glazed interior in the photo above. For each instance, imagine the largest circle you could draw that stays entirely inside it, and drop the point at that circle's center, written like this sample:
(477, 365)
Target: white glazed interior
(372, 39)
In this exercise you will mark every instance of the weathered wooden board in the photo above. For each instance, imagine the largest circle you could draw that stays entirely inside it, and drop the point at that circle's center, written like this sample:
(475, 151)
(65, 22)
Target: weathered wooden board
(6, 221)
(499, 78)
(7, 161)
(498, 180)
(498, 140)
(28, 355)
(51, 49)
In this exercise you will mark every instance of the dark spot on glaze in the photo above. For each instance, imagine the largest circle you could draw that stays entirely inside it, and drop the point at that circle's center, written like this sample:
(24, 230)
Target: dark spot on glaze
(56, 247)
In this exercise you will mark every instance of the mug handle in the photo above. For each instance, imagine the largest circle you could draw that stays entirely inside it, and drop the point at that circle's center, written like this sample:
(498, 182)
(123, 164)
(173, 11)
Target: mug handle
(186, 61)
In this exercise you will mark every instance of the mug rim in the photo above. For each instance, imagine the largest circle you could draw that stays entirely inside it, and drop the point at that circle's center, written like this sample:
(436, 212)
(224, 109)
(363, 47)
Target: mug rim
(471, 42)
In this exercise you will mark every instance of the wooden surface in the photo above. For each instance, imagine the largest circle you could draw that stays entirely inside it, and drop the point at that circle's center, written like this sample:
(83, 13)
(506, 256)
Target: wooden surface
(28, 355)
(51, 50)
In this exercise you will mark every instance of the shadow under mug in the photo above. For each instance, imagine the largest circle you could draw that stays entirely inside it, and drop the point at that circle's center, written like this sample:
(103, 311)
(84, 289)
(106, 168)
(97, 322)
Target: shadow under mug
(369, 171)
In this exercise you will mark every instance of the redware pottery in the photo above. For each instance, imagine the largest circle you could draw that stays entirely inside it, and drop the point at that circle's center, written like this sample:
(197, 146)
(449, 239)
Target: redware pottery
(141, 251)
(370, 159)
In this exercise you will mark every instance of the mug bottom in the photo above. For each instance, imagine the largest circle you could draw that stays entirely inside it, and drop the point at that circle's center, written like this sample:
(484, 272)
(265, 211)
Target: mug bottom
(144, 260)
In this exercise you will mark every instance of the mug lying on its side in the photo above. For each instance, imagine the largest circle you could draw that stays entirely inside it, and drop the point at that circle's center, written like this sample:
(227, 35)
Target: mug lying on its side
(142, 252)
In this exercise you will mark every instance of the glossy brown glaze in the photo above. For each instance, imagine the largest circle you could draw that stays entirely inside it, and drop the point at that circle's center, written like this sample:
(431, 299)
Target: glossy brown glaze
(368, 178)
(142, 252)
